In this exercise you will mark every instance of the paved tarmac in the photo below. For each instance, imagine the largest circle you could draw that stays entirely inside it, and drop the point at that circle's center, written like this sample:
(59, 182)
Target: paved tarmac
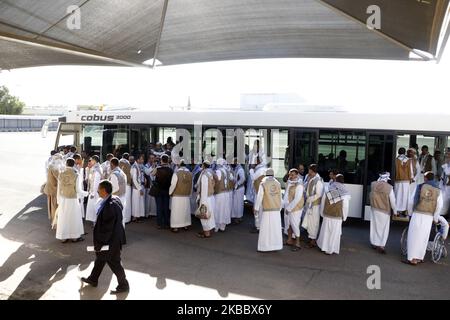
(163, 265)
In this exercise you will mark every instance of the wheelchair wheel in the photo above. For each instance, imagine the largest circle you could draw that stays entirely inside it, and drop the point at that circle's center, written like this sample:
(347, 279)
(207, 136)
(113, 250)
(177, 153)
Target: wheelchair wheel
(404, 241)
(438, 250)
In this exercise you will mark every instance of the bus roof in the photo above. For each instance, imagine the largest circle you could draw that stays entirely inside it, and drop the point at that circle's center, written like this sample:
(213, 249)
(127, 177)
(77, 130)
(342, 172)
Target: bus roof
(279, 119)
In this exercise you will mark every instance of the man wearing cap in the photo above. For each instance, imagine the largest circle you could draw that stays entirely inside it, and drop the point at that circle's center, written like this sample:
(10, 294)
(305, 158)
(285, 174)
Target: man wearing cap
(205, 188)
(334, 210)
(180, 191)
(293, 203)
(427, 207)
(382, 202)
(314, 191)
(118, 181)
(268, 204)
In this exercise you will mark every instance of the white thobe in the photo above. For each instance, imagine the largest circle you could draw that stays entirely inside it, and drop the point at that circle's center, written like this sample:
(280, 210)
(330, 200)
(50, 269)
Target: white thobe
(137, 199)
(180, 214)
(311, 221)
(207, 224)
(254, 175)
(222, 204)
(91, 208)
(293, 218)
(106, 169)
(150, 202)
(402, 191)
(422, 168)
(115, 186)
(329, 240)
(270, 237)
(80, 185)
(419, 231)
(238, 194)
(413, 187)
(70, 221)
(380, 223)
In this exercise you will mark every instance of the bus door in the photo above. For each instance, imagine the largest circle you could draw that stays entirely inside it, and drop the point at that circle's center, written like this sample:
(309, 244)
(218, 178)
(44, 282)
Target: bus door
(303, 147)
(380, 157)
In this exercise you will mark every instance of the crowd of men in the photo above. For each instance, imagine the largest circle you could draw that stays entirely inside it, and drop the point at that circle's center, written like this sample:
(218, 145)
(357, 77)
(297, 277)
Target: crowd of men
(155, 185)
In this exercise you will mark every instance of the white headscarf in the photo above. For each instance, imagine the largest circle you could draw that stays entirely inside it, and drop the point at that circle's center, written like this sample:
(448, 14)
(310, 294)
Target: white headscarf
(384, 177)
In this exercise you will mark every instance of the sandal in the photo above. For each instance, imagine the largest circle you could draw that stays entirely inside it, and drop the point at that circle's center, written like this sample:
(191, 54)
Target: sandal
(65, 241)
(202, 235)
(295, 248)
(78, 240)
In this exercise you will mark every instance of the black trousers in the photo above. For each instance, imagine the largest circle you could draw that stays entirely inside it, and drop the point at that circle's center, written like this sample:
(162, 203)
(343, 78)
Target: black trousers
(112, 258)
(162, 210)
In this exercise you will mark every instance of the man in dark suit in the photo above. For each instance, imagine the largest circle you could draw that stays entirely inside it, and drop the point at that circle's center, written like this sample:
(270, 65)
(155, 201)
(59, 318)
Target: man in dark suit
(163, 177)
(109, 231)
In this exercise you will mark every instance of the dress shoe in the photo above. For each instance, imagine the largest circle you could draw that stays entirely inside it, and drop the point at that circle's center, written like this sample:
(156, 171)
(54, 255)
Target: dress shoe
(89, 281)
(121, 289)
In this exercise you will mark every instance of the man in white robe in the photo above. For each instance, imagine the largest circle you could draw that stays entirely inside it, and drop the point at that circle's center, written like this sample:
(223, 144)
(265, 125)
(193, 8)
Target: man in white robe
(106, 166)
(222, 209)
(69, 222)
(382, 202)
(125, 166)
(95, 176)
(118, 181)
(334, 210)
(427, 163)
(415, 167)
(51, 186)
(205, 187)
(256, 157)
(239, 191)
(445, 184)
(403, 178)
(268, 204)
(293, 203)
(81, 177)
(180, 191)
(137, 194)
(256, 176)
(150, 202)
(314, 192)
(427, 207)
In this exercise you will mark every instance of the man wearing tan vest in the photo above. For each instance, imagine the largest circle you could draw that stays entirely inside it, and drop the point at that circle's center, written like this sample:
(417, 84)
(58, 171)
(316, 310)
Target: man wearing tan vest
(293, 203)
(382, 202)
(427, 206)
(51, 187)
(268, 204)
(334, 210)
(205, 187)
(180, 191)
(256, 176)
(222, 202)
(314, 191)
(118, 181)
(125, 166)
(70, 221)
(403, 178)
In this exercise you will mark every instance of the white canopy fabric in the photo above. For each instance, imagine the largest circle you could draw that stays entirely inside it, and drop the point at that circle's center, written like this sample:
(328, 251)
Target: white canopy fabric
(130, 32)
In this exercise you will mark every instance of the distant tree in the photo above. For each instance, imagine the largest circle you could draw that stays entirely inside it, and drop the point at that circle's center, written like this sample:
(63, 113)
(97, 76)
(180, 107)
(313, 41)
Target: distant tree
(9, 104)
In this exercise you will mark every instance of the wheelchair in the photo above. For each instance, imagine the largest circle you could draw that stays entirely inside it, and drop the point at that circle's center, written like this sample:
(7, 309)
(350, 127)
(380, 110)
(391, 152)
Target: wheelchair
(436, 244)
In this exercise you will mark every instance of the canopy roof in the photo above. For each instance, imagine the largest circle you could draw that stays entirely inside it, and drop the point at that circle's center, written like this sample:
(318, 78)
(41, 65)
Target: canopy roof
(130, 32)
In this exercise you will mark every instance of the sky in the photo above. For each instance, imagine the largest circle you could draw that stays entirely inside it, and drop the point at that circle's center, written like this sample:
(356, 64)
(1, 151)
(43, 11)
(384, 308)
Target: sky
(355, 85)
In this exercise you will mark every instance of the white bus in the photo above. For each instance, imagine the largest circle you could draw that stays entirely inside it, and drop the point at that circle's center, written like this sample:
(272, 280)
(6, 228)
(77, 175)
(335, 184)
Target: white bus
(359, 145)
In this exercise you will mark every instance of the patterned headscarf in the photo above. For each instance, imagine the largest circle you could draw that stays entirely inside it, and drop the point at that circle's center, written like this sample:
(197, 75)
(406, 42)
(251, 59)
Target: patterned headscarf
(385, 176)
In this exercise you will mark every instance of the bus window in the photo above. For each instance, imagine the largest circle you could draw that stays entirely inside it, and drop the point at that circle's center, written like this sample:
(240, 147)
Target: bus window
(280, 153)
(341, 150)
(115, 140)
(256, 144)
(92, 140)
(66, 139)
(305, 147)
